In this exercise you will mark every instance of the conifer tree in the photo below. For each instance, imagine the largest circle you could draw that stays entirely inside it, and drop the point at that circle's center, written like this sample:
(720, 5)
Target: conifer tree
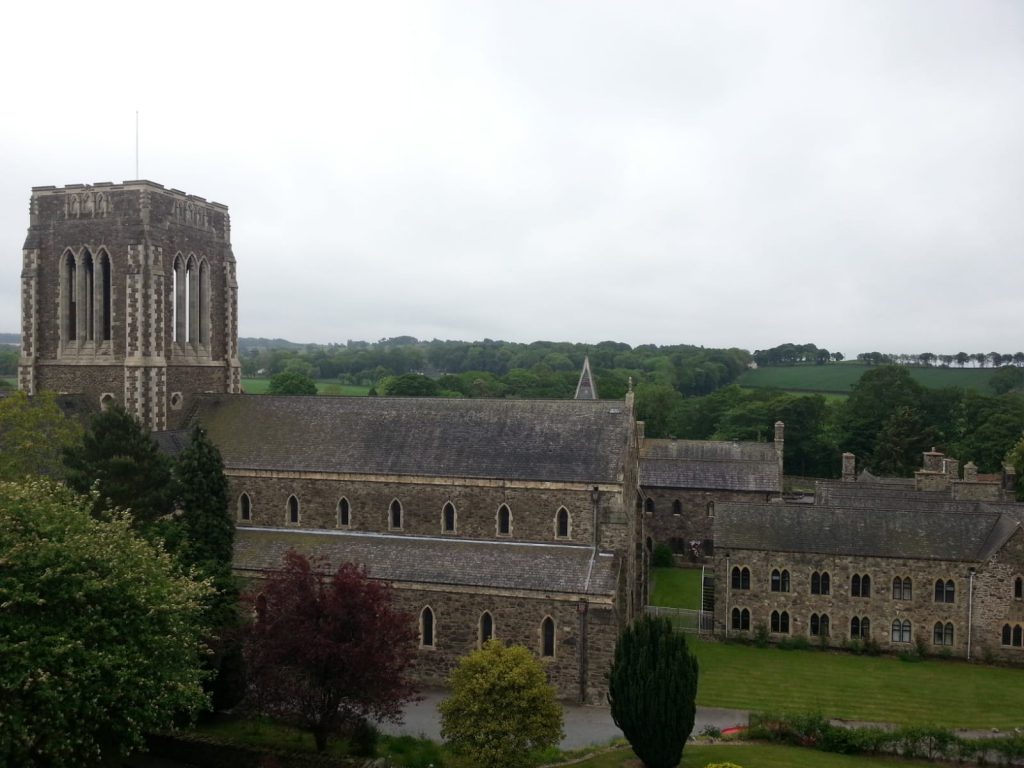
(652, 690)
(120, 457)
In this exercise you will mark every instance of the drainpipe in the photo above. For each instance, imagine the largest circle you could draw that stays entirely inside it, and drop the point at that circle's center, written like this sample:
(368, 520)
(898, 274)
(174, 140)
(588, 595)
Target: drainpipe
(595, 498)
(581, 610)
(728, 591)
(970, 610)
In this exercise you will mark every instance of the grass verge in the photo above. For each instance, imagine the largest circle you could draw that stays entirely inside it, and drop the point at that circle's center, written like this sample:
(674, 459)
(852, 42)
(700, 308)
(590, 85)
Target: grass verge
(755, 756)
(676, 587)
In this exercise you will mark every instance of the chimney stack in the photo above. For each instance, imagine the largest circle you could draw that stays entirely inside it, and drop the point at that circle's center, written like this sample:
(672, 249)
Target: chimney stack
(849, 467)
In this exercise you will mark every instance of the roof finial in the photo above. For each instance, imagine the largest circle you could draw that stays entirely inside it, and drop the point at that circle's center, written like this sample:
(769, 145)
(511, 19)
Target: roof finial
(629, 384)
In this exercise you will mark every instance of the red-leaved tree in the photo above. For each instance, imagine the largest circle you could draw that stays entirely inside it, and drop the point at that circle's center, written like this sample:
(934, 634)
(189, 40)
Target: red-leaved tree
(326, 651)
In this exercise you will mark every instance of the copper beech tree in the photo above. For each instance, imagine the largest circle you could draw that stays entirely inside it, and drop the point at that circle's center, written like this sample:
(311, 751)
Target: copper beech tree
(326, 651)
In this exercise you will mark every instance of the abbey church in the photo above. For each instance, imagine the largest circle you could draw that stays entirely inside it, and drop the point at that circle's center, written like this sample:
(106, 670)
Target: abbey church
(531, 521)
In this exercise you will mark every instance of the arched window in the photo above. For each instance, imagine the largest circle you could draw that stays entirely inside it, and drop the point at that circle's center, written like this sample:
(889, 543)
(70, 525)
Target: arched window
(426, 628)
(780, 581)
(740, 619)
(344, 513)
(740, 578)
(244, 507)
(860, 627)
(486, 628)
(1017, 639)
(677, 507)
(547, 637)
(865, 628)
(104, 301)
(819, 625)
(901, 631)
(945, 591)
(821, 583)
(293, 509)
(106, 400)
(203, 304)
(1006, 634)
(780, 622)
(1018, 588)
(711, 509)
(261, 606)
(448, 518)
(179, 299)
(855, 627)
(504, 520)
(942, 634)
(395, 516)
(191, 292)
(562, 523)
(87, 298)
(649, 505)
(860, 586)
(69, 298)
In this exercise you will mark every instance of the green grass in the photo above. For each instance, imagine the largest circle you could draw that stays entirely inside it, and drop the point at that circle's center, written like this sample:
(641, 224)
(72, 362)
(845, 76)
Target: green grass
(882, 689)
(323, 387)
(676, 587)
(838, 378)
(755, 756)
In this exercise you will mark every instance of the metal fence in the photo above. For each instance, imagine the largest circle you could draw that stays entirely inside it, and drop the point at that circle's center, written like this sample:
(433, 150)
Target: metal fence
(684, 619)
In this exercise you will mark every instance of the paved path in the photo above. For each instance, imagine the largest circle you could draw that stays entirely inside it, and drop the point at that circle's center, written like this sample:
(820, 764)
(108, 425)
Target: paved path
(584, 726)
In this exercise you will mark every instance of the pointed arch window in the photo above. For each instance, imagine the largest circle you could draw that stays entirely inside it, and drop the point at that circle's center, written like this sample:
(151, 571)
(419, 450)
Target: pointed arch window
(179, 301)
(69, 299)
(395, 515)
(860, 627)
(740, 619)
(711, 509)
(485, 630)
(780, 622)
(104, 321)
(293, 510)
(649, 506)
(740, 578)
(780, 580)
(901, 631)
(819, 625)
(344, 513)
(677, 507)
(562, 523)
(821, 583)
(244, 507)
(1018, 588)
(902, 589)
(942, 634)
(1013, 636)
(504, 520)
(547, 637)
(448, 518)
(427, 628)
(945, 591)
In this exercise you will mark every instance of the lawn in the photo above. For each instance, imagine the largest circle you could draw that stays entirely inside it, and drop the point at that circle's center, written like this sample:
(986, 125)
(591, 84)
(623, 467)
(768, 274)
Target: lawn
(323, 387)
(755, 756)
(675, 587)
(936, 692)
(838, 378)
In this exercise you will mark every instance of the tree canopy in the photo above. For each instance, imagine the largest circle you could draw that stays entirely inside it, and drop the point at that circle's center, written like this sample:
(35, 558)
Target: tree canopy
(501, 708)
(100, 635)
(33, 436)
(120, 457)
(326, 652)
(291, 382)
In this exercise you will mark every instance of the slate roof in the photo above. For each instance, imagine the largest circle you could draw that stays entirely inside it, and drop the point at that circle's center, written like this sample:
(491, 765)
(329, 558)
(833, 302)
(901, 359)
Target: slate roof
(913, 534)
(547, 568)
(172, 441)
(720, 465)
(548, 440)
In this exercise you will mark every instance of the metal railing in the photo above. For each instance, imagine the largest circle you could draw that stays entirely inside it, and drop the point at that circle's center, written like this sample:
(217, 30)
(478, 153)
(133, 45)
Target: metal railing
(685, 619)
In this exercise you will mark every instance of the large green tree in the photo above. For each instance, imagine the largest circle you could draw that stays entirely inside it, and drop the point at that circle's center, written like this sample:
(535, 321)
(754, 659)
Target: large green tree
(873, 401)
(652, 690)
(100, 635)
(291, 382)
(501, 709)
(33, 436)
(119, 457)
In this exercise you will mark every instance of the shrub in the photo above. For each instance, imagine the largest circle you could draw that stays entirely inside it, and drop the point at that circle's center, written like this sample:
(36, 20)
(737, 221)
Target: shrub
(662, 557)
(798, 643)
(761, 635)
(362, 738)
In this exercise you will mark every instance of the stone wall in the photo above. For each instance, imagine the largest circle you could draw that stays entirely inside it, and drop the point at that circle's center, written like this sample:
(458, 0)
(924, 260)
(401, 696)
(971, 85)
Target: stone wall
(694, 523)
(995, 603)
(880, 607)
(533, 508)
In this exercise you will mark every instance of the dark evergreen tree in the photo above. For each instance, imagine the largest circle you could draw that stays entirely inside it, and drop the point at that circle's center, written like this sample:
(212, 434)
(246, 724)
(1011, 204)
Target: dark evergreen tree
(652, 690)
(202, 536)
(119, 456)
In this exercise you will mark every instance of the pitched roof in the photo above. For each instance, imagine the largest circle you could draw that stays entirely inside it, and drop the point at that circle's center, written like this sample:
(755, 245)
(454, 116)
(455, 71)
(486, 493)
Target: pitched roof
(172, 441)
(586, 389)
(546, 568)
(549, 440)
(738, 466)
(927, 535)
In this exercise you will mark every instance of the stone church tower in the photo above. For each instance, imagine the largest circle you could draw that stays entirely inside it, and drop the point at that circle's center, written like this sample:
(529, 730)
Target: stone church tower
(129, 295)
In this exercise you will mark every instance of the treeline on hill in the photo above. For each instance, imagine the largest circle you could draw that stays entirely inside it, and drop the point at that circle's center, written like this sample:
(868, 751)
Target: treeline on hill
(795, 354)
(503, 369)
(887, 422)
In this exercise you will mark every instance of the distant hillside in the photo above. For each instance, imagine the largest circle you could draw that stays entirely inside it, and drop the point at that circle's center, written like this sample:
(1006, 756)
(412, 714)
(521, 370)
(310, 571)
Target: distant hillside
(838, 378)
(245, 343)
(10, 338)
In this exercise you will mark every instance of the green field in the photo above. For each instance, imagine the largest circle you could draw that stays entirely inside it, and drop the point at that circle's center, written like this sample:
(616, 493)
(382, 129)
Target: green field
(882, 689)
(838, 378)
(754, 756)
(323, 387)
(675, 587)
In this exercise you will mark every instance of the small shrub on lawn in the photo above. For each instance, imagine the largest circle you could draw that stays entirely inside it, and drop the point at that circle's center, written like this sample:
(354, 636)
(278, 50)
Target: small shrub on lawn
(760, 635)
(798, 643)
(711, 732)
(411, 752)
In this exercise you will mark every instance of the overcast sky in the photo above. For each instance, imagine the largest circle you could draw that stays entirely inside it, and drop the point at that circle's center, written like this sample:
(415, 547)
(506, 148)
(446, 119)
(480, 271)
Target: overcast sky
(716, 173)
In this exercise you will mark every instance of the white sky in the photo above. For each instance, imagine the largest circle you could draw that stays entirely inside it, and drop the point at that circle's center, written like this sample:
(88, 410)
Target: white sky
(717, 173)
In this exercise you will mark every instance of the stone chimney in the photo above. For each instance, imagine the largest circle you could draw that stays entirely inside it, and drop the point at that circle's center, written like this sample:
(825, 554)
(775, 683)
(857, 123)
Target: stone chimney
(780, 445)
(933, 461)
(640, 426)
(849, 467)
(952, 468)
(1009, 478)
(970, 472)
